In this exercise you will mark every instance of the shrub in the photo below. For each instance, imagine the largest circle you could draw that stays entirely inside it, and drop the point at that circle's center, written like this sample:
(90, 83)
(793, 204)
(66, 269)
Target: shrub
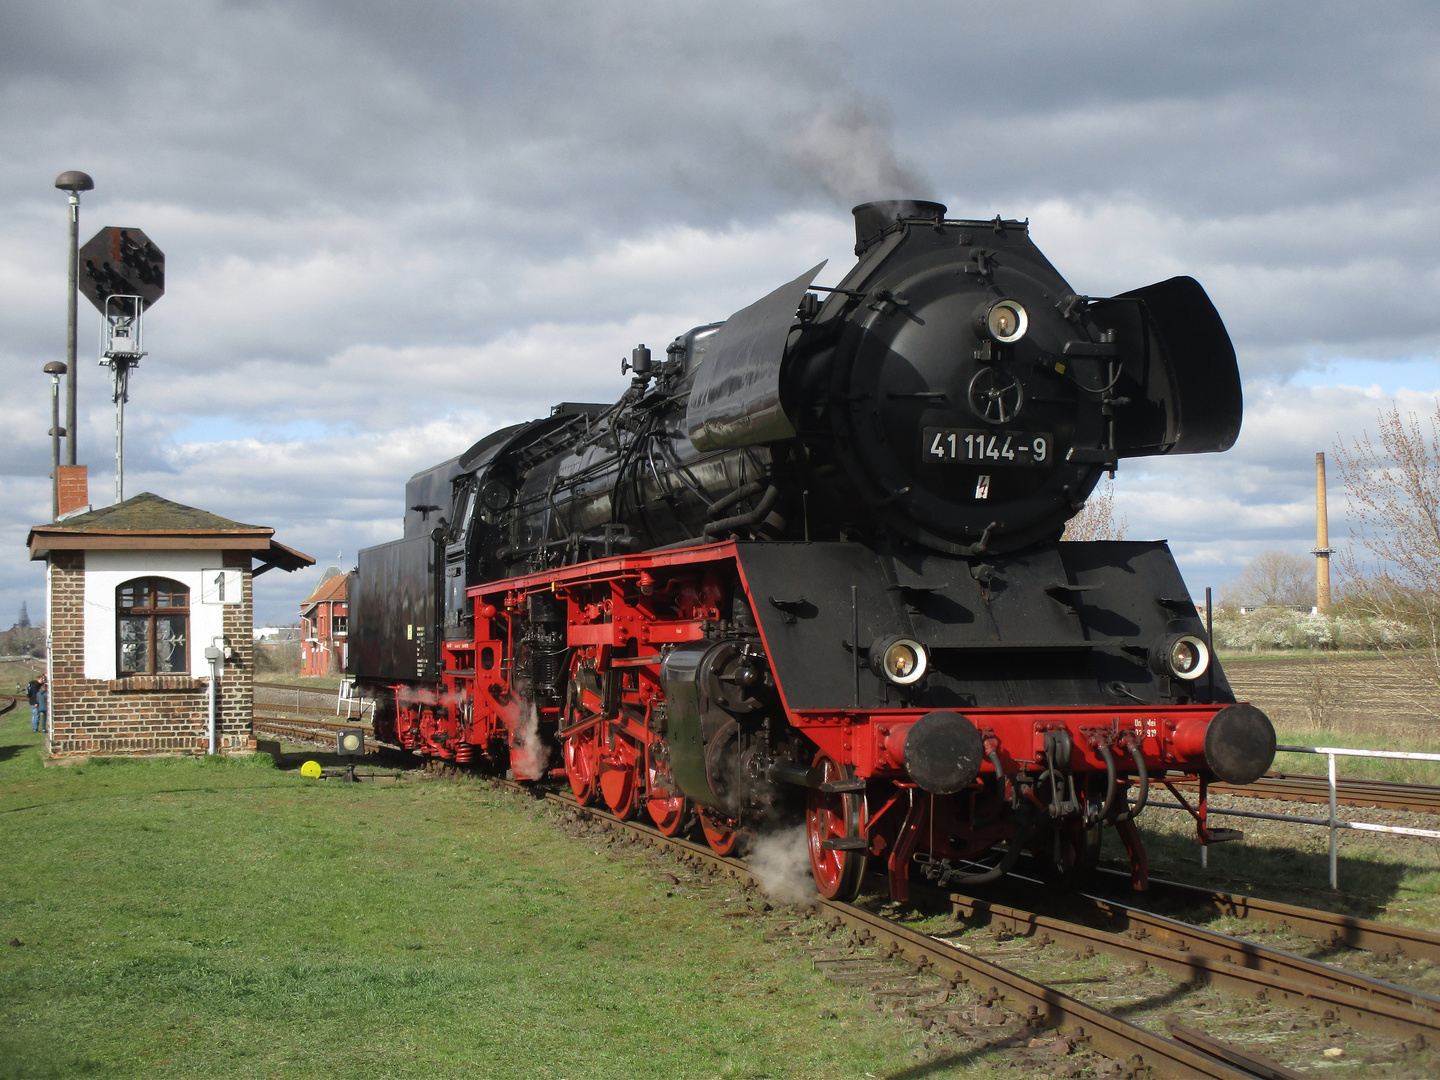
(1276, 628)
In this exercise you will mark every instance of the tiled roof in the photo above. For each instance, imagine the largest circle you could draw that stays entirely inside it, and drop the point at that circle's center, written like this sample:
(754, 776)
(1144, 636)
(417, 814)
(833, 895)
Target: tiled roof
(150, 512)
(332, 588)
(148, 522)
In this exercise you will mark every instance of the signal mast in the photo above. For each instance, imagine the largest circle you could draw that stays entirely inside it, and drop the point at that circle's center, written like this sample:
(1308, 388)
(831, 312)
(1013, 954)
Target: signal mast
(123, 274)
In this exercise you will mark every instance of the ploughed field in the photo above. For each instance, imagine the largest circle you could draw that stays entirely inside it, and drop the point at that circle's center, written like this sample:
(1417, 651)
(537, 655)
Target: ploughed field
(1345, 692)
(1364, 701)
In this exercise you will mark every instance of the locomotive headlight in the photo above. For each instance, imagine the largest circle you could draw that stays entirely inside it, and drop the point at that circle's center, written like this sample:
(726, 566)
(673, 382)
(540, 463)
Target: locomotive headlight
(901, 661)
(1004, 320)
(1180, 656)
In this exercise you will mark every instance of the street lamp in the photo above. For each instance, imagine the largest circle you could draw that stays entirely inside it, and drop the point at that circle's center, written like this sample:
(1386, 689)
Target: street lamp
(55, 369)
(74, 182)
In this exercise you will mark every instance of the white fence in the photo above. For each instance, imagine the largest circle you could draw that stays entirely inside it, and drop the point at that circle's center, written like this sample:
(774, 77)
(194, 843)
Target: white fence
(346, 696)
(1333, 822)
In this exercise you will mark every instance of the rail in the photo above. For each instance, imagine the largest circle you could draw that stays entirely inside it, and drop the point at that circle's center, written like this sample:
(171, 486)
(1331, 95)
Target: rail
(1333, 823)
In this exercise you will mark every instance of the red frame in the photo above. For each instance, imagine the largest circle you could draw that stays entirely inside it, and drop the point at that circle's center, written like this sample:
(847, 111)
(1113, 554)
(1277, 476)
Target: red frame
(610, 604)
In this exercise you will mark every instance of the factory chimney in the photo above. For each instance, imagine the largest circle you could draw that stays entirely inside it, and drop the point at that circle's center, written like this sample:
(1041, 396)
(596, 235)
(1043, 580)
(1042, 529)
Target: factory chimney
(1322, 551)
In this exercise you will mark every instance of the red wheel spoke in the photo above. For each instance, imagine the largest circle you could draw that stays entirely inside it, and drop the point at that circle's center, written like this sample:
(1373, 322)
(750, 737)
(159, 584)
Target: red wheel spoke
(834, 817)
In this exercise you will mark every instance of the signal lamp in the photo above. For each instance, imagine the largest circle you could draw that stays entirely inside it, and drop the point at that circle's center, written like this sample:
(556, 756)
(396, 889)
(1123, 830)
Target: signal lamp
(1003, 320)
(350, 741)
(1180, 656)
(902, 661)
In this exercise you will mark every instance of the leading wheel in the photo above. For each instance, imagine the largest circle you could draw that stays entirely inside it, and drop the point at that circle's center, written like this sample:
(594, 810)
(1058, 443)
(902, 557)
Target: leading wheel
(832, 820)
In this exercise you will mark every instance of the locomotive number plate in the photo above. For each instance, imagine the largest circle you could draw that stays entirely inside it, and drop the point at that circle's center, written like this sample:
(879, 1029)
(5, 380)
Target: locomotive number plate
(987, 447)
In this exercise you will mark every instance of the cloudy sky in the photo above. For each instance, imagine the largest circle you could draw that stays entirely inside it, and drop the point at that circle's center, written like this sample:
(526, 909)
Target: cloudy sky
(390, 228)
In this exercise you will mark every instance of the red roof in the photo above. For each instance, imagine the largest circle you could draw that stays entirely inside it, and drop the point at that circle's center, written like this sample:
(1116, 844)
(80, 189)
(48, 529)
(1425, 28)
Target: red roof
(332, 588)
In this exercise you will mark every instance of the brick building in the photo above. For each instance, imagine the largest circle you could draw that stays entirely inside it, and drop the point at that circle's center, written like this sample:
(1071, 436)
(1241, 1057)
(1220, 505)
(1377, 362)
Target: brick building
(136, 593)
(325, 625)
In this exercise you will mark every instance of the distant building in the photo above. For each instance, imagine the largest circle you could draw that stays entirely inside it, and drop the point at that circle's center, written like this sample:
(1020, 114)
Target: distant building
(325, 625)
(276, 635)
(137, 594)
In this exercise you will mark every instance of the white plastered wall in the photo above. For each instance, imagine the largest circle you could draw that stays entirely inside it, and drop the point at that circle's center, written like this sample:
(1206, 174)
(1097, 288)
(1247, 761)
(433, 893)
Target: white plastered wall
(106, 570)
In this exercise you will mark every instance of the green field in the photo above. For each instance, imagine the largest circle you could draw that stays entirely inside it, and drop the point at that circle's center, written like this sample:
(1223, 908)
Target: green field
(184, 918)
(14, 674)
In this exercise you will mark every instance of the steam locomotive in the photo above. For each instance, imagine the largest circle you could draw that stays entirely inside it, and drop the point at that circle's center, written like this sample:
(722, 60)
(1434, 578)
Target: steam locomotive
(808, 570)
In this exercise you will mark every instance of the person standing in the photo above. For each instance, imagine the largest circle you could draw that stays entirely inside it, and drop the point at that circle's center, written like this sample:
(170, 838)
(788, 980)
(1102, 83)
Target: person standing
(37, 692)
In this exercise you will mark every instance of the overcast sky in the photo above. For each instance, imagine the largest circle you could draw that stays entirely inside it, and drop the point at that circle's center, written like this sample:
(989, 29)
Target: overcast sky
(390, 228)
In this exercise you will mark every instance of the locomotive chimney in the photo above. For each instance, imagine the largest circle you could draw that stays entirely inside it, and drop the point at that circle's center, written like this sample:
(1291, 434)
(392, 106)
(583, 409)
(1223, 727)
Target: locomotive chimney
(1322, 551)
(872, 218)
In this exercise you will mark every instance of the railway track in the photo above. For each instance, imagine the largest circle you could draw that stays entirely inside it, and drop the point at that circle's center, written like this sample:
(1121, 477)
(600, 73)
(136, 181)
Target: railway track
(1228, 963)
(1145, 939)
(1380, 794)
(305, 715)
(308, 731)
(1325, 927)
(1042, 1006)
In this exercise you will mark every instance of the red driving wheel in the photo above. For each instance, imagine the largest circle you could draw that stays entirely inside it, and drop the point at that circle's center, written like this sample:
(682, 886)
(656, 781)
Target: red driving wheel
(668, 808)
(668, 813)
(581, 763)
(619, 779)
(831, 819)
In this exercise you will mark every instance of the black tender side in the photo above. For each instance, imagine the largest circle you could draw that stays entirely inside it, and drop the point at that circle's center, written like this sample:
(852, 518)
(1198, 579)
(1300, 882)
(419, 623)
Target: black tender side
(393, 612)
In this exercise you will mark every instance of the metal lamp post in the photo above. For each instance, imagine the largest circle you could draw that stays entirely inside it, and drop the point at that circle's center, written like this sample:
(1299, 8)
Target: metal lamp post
(55, 369)
(74, 182)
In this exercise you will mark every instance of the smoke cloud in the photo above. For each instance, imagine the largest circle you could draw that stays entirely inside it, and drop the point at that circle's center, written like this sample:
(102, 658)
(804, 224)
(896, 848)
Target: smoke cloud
(850, 153)
(781, 862)
(529, 757)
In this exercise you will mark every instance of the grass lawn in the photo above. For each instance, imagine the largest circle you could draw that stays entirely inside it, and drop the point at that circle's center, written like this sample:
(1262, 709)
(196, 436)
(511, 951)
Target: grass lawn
(1357, 768)
(14, 674)
(229, 919)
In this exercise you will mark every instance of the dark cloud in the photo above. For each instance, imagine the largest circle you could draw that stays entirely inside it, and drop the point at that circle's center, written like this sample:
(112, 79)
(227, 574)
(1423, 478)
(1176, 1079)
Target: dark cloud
(388, 226)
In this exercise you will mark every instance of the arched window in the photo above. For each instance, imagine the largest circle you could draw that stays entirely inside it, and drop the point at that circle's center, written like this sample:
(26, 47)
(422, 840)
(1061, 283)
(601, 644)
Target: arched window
(152, 616)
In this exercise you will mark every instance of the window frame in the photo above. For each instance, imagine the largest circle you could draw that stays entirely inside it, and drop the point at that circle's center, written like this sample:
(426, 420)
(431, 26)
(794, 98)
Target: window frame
(155, 585)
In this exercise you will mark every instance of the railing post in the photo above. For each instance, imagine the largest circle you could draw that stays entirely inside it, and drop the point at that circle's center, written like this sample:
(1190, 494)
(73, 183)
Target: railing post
(1334, 835)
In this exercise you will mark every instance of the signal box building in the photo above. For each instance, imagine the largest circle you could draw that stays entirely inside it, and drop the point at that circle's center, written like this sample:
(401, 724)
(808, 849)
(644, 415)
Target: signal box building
(324, 626)
(143, 598)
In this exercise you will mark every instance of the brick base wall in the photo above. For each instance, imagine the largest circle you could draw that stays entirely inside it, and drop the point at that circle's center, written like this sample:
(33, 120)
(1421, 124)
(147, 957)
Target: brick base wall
(143, 716)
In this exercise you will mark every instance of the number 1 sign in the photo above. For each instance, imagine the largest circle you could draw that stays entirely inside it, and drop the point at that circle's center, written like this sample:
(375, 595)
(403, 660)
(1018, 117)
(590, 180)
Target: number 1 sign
(220, 585)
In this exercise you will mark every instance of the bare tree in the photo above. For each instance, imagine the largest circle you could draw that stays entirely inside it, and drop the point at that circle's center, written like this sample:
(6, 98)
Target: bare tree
(1097, 520)
(1394, 496)
(1274, 579)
